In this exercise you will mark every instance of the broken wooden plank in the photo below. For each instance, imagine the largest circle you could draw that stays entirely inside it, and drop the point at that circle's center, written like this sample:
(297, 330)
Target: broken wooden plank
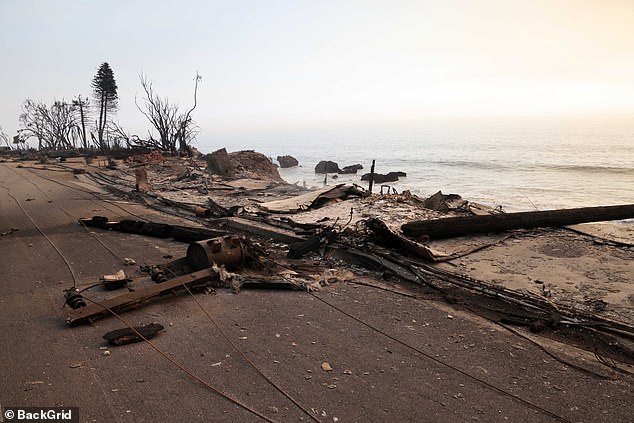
(458, 226)
(95, 310)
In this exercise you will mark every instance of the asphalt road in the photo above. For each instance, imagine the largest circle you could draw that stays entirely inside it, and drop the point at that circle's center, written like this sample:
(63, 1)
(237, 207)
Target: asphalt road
(393, 357)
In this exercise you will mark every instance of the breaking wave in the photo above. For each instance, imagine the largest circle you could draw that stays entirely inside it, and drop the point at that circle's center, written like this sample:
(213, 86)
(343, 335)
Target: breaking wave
(480, 165)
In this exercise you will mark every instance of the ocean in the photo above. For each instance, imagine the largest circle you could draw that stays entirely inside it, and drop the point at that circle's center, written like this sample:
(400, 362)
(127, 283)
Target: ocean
(520, 164)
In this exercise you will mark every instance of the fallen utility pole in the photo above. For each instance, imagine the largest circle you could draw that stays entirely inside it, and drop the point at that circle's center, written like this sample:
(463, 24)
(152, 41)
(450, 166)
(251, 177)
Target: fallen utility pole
(104, 308)
(458, 226)
(153, 229)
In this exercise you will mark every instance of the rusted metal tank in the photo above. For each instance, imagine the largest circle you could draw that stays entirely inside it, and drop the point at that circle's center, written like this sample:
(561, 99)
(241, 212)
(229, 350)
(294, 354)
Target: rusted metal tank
(227, 250)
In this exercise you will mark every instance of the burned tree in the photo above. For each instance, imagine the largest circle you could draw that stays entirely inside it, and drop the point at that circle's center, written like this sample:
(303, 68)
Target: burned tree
(105, 92)
(4, 138)
(82, 105)
(176, 130)
(55, 127)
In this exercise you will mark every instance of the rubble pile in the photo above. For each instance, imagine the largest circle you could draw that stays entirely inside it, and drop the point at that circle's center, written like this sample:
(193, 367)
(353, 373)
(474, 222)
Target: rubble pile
(283, 236)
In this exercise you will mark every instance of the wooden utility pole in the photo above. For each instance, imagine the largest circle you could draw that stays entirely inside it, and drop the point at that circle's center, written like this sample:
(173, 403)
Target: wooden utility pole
(458, 226)
(371, 176)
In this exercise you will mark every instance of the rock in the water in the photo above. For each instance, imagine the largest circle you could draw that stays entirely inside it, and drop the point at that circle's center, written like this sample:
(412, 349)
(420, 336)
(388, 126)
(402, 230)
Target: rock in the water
(350, 169)
(380, 178)
(287, 161)
(327, 167)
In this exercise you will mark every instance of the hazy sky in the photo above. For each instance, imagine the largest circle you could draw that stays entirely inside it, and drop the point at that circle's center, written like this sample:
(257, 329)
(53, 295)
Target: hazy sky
(293, 63)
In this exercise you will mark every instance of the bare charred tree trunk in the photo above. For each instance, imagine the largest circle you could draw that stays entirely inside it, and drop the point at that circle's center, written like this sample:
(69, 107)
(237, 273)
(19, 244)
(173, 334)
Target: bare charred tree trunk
(186, 123)
(52, 126)
(175, 130)
(82, 105)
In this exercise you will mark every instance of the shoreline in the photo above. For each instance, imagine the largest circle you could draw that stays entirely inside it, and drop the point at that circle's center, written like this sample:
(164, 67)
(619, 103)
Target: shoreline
(364, 333)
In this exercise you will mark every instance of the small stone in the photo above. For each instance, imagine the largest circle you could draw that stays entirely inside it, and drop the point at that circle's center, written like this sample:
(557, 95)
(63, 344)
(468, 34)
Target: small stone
(326, 367)
(128, 261)
(75, 365)
(449, 316)
(347, 372)
(106, 353)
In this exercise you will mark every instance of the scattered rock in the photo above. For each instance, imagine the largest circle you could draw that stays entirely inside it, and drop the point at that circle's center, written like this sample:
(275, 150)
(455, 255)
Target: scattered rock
(287, 161)
(326, 367)
(327, 167)
(380, 178)
(350, 169)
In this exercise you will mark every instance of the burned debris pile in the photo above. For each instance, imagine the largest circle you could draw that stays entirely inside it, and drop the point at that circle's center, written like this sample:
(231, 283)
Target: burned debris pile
(249, 229)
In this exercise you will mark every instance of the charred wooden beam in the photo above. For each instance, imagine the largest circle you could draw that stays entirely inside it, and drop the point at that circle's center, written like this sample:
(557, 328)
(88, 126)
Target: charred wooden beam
(458, 226)
(95, 310)
(157, 230)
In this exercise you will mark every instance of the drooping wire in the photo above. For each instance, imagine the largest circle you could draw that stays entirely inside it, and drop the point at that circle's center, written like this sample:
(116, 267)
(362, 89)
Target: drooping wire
(180, 366)
(197, 302)
(244, 356)
(70, 269)
(450, 366)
